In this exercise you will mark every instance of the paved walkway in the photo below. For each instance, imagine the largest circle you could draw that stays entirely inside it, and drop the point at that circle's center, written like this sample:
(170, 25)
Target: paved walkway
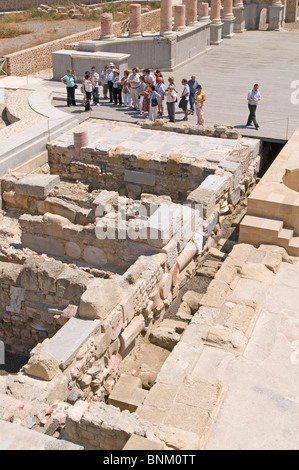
(227, 72)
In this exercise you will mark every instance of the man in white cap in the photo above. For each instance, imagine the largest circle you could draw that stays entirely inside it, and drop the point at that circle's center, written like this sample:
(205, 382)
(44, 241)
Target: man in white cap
(110, 76)
(193, 87)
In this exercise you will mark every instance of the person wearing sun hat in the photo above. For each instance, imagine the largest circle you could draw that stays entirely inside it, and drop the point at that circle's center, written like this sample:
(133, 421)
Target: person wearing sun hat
(199, 100)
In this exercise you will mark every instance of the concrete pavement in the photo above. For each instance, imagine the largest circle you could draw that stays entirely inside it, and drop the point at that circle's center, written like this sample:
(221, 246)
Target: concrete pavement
(226, 74)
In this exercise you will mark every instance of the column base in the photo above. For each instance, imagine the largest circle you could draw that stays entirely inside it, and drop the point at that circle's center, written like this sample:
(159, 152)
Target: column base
(135, 35)
(180, 28)
(275, 17)
(204, 18)
(239, 24)
(216, 34)
(166, 34)
(228, 28)
(108, 36)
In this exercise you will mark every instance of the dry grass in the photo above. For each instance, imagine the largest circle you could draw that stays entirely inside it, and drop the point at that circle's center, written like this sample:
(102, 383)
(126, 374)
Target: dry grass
(12, 30)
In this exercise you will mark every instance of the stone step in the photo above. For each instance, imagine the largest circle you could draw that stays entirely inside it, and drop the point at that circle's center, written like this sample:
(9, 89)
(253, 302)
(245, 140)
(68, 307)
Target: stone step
(293, 247)
(258, 230)
(285, 236)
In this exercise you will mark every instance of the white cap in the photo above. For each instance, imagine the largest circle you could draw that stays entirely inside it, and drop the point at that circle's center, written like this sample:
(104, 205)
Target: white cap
(111, 64)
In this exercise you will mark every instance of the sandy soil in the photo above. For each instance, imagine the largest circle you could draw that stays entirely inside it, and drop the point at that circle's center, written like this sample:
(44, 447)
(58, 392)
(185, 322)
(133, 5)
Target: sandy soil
(44, 31)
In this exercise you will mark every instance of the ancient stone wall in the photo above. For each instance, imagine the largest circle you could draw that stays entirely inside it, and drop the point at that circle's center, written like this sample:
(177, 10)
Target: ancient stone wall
(36, 297)
(37, 58)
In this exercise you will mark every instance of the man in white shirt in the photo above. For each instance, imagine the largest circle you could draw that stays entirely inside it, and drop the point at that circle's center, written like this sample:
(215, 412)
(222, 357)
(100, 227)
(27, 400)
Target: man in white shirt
(253, 98)
(134, 87)
(95, 90)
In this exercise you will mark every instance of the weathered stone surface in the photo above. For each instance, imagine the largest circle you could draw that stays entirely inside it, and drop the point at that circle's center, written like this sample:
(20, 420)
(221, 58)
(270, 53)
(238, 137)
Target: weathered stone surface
(204, 197)
(127, 393)
(67, 341)
(100, 298)
(167, 334)
(131, 332)
(42, 365)
(258, 272)
(192, 298)
(141, 443)
(36, 184)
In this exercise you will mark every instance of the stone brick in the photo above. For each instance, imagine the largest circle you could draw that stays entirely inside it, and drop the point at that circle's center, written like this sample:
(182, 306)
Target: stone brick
(36, 184)
(100, 298)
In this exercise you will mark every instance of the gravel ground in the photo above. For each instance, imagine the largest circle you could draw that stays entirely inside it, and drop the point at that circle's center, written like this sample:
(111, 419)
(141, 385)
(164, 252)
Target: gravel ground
(44, 31)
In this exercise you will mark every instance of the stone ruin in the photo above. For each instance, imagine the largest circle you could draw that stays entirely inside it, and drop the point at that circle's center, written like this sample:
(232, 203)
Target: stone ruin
(95, 247)
(192, 26)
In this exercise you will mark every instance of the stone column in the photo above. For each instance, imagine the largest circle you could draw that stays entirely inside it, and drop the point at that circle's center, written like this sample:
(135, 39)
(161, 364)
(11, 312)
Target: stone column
(80, 135)
(107, 26)
(215, 11)
(216, 25)
(239, 13)
(166, 17)
(203, 11)
(135, 20)
(228, 19)
(191, 12)
(179, 17)
(275, 15)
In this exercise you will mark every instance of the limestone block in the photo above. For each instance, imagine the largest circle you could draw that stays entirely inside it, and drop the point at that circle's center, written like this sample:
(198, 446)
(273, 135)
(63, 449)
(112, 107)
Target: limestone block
(17, 296)
(179, 364)
(142, 443)
(100, 298)
(140, 178)
(166, 334)
(127, 393)
(65, 344)
(103, 202)
(15, 200)
(71, 284)
(216, 294)
(60, 207)
(47, 275)
(192, 298)
(46, 245)
(131, 332)
(257, 272)
(235, 168)
(94, 256)
(10, 273)
(53, 224)
(37, 185)
(202, 197)
(72, 250)
(42, 365)
(234, 196)
(216, 183)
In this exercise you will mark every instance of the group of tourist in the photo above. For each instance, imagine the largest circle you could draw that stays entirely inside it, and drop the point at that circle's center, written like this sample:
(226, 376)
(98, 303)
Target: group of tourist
(142, 91)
